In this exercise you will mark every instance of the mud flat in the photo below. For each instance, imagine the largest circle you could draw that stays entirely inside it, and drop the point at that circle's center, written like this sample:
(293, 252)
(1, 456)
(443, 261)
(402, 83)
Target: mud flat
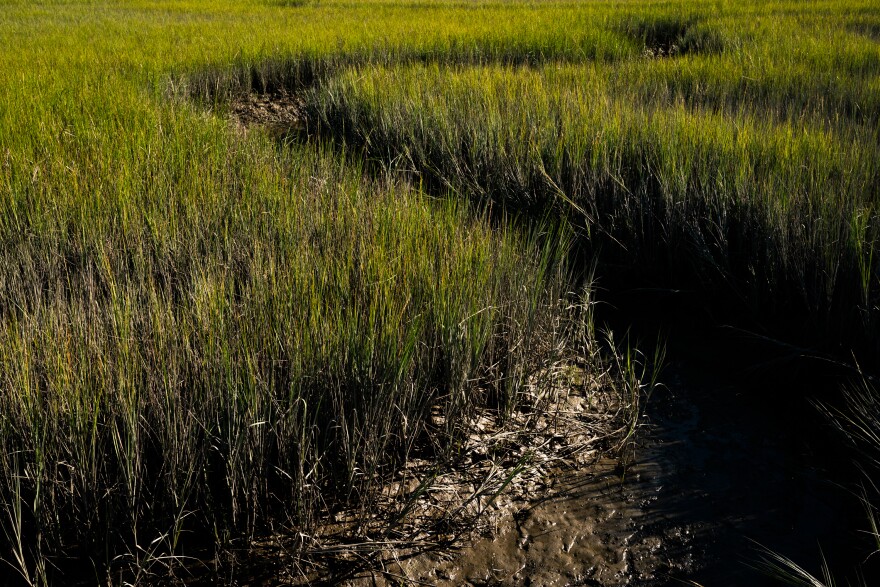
(710, 479)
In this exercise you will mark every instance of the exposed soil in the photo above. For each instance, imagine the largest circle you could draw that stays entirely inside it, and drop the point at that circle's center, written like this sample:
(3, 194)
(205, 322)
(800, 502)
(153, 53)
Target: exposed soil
(710, 480)
(280, 111)
(582, 532)
(495, 490)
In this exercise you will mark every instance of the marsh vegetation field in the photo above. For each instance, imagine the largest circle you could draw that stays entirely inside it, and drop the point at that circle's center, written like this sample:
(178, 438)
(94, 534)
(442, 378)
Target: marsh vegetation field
(258, 256)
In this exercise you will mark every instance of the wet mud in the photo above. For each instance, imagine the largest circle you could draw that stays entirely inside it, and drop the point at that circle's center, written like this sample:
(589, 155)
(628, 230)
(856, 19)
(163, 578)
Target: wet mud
(718, 472)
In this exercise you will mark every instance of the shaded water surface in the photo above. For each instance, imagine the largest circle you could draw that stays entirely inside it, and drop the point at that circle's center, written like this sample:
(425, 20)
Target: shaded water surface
(734, 455)
(725, 466)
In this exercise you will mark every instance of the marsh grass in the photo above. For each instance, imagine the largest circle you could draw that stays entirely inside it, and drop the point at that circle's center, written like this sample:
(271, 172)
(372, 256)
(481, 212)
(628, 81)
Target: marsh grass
(256, 362)
(209, 335)
(180, 380)
(775, 216)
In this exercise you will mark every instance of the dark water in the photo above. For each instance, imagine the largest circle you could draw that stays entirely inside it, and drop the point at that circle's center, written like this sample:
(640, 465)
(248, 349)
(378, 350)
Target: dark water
(721, 469)
(734, 456)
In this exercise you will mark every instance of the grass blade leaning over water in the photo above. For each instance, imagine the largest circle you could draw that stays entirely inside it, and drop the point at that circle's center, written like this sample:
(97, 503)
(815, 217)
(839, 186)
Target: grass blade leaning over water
(858, 421)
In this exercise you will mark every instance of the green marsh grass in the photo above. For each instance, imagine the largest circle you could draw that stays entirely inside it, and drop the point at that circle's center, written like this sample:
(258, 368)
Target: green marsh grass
(208, 335)
(205, 335)
(255, 358)
(771, 201)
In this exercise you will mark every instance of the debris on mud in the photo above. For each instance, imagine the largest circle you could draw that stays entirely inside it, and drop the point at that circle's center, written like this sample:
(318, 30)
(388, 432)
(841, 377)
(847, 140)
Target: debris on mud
(280, 111)
(432, 518)
(430, 513)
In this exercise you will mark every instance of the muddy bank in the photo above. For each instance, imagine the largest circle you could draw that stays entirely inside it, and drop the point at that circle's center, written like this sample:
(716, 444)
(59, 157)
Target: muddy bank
(712, 476)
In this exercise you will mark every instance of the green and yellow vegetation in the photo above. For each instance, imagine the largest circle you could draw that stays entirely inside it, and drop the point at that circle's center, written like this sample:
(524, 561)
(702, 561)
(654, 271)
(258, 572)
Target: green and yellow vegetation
(208, 334)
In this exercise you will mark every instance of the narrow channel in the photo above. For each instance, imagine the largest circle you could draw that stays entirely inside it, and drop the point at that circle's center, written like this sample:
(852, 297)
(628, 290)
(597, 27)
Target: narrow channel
(733, 458)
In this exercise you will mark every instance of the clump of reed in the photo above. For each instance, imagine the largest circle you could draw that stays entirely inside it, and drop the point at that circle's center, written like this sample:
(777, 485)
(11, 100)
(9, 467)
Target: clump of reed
(776, 217)
(178, 378)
